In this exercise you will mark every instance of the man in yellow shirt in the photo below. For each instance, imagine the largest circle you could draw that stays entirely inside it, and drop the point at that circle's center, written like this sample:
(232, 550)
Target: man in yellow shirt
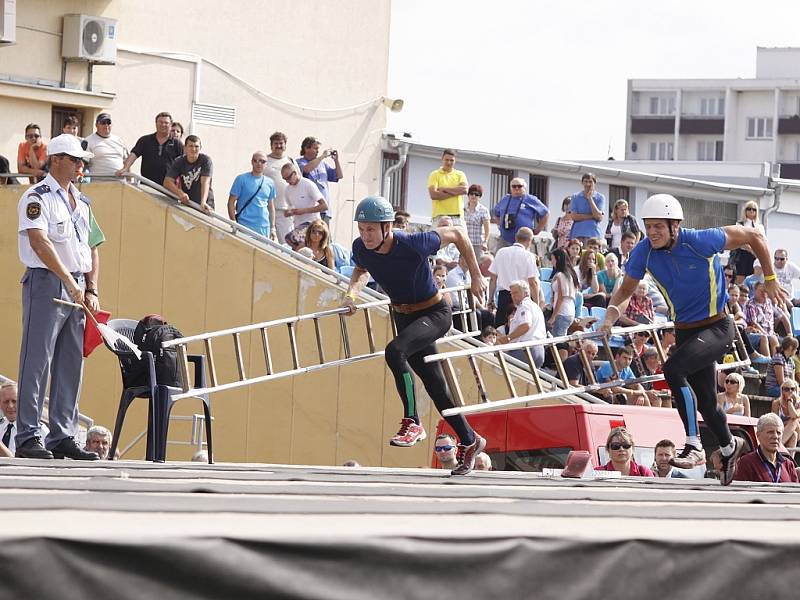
(447, 187)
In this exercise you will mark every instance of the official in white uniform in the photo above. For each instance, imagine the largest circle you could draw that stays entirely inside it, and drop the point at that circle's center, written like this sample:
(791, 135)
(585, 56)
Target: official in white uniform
(58, 242)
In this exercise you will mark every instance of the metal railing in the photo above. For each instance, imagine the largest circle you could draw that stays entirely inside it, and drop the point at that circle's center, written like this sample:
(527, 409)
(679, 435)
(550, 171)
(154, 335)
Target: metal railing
(467, 315)
(446, 358)
(196, 439)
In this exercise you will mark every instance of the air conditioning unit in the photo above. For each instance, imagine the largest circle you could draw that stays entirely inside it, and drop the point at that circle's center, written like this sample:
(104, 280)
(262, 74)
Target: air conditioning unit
(8, 21)
(93, 39)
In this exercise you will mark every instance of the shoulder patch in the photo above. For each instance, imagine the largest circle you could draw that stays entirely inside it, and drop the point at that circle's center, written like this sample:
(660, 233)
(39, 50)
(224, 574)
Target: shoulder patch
(42, 189)
(33, 210)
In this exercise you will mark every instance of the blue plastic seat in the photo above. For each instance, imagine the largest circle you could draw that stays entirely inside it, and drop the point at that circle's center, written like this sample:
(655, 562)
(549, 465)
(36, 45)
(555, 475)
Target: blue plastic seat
(545, 273)
(547, 291)
(796, 320)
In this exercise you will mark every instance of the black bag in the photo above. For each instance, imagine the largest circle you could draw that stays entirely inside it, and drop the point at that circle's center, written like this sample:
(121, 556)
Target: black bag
(148, 335)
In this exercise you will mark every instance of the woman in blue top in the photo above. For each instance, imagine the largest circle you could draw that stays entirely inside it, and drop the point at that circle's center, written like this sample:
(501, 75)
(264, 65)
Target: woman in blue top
(399, 264)
(684, 264)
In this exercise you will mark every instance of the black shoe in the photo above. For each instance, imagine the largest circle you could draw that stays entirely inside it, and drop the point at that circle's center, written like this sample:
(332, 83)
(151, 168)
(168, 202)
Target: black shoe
(729, 462)
(33, 448)
(67, 448)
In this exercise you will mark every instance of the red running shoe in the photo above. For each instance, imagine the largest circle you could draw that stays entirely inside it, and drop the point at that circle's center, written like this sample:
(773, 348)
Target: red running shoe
(466, 456)
(409, 434)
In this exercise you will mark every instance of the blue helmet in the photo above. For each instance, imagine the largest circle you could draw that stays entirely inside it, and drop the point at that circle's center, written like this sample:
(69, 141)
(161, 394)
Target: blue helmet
(374, 209)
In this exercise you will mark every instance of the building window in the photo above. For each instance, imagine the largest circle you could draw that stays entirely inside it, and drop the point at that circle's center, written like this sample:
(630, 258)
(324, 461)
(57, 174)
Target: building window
(396, 193)
(661, 151)
(57, 116)
(617, 192)
(759, 128)
(709, 150)
(712, 106)
(501, 179)
(662, 105)
(537, 186)
(704, 214)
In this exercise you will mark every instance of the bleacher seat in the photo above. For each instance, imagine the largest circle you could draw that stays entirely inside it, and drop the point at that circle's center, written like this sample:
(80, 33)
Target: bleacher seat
(547, 291)
(545, 273)
(578, 303)
(796, 320)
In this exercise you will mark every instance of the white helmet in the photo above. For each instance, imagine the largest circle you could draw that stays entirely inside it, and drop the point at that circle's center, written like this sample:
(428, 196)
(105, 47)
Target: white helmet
(662, 206)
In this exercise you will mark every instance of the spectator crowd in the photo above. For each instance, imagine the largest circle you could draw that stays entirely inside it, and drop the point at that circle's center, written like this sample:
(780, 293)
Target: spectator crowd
(531, 296)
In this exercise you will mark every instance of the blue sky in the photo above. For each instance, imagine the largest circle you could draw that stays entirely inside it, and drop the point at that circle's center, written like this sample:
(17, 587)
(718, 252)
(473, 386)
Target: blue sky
(547, 79)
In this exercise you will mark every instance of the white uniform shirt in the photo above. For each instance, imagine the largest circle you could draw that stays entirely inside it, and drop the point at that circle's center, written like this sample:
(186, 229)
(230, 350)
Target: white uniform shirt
(45, 206)
(305, 194)
(530, 313)
(513, 263)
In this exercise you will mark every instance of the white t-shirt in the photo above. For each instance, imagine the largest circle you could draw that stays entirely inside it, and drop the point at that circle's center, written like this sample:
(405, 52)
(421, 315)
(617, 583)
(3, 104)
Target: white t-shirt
(563, 286)
(305, 194)
(616, 235)
(786, 275)
(273, 169)
(528, 312)
(511, 264)
(109, 154)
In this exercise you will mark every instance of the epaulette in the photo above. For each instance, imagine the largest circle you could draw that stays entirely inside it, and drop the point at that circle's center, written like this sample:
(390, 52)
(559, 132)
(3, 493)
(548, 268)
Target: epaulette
(42, 189)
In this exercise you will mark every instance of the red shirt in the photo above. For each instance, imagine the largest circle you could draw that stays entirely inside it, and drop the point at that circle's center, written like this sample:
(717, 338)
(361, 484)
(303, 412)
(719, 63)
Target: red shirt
(753, 467)
(636, 470)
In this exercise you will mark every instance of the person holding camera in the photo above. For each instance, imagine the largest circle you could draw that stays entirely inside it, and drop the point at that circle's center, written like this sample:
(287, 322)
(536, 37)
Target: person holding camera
(516, 210)
(313, 166)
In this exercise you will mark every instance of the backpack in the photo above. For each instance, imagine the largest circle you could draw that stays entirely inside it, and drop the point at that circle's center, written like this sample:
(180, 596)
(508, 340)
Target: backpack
(148, 335)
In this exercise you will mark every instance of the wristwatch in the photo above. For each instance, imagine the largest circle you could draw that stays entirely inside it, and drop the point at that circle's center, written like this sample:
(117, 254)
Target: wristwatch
(92, 291)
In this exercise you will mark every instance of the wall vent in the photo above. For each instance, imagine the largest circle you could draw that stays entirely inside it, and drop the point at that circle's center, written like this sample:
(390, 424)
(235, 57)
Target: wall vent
(214, 114)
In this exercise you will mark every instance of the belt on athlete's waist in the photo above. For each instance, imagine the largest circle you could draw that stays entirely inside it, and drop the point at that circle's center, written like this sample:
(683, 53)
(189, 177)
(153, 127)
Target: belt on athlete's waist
(412, 308)
(703, 323)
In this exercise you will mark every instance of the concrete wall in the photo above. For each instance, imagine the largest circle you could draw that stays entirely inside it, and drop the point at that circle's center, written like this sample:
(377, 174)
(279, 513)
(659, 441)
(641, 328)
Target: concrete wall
(296, 56)
(171, 260)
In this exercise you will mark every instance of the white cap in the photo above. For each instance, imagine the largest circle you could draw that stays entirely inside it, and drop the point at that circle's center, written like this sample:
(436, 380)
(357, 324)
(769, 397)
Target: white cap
(67, 144)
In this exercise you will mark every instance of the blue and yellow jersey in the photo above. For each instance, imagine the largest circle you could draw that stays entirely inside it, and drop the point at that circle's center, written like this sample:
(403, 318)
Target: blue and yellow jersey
(689, 276)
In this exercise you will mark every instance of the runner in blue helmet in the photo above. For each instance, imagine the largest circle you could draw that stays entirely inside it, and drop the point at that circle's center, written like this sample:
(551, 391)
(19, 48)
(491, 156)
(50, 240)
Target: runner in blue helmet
(685, 265)
(399, 264)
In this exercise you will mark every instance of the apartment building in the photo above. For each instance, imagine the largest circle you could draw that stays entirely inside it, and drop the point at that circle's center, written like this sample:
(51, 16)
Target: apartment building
(736, 120)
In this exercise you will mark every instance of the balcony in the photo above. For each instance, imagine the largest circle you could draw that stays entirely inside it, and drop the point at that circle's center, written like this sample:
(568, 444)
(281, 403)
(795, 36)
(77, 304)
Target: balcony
(789, 125)
(653, 125)
(703, 125)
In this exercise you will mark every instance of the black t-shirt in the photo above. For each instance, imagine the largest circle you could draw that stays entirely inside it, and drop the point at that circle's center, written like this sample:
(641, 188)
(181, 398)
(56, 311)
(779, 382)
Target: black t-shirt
(156, 158)
(573, 367)
(189, 175)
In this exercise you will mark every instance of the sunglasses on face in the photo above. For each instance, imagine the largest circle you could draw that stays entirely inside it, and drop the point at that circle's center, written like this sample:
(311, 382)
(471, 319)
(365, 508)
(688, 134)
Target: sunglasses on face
(749, 208)
(476, 194)
(516, 186)
(443, 448)
(788, 389)
(781, 258)
(617, 446)
(260, 161)
(731, 381)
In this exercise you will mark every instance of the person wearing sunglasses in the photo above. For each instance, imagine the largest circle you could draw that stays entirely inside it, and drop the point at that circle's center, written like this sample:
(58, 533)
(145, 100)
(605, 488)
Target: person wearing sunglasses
(32, 154)
(516, 210)
(732, 401)
(108, 148)
(787, 272)
(620, 446)
(741, 259)
(787, 407)
(58, 240)
(444, 449)
(251, 201)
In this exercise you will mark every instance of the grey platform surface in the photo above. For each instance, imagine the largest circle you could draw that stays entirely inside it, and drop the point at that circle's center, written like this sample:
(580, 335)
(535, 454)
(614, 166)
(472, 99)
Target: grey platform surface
(139, 529)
